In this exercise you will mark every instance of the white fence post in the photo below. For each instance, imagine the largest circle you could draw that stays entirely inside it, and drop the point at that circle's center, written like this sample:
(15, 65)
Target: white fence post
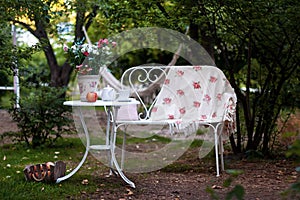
(16, 87)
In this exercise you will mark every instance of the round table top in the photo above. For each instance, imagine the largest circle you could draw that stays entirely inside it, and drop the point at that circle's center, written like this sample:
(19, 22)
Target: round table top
(101, 103)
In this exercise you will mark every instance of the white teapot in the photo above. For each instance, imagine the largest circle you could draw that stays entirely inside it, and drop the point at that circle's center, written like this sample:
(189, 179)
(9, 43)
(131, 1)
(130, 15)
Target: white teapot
(108, 94)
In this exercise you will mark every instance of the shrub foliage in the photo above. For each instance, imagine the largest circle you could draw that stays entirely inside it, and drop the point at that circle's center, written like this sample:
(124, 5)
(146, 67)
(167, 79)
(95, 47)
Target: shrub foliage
(41, 118)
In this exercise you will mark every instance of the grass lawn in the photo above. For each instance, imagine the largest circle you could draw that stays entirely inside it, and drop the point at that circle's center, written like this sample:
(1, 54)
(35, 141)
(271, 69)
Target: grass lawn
(188, 176)
(15, 157)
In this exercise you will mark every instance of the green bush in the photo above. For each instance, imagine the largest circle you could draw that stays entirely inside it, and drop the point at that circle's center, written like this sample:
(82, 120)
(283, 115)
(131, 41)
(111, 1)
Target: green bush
(237, 192)
(293, 191)
(41, 118)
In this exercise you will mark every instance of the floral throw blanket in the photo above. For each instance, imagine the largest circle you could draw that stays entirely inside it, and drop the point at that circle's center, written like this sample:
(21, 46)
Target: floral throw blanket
(196, 94)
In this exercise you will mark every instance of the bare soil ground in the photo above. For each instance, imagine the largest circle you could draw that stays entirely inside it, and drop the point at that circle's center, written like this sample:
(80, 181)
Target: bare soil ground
(261, 179)
(6, 123)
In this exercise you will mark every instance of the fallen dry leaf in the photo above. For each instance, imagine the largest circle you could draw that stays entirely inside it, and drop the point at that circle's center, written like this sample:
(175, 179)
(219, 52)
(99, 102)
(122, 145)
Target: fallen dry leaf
(85, 182)
(216, 187)
(129, 192)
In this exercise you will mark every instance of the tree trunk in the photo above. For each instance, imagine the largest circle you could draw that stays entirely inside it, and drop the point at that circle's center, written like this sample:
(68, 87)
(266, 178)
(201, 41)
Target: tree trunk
(238, 132)
(60, 75)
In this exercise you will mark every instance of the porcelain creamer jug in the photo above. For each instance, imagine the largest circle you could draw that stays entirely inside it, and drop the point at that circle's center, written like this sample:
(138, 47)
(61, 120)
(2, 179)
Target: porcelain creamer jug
(108, 94)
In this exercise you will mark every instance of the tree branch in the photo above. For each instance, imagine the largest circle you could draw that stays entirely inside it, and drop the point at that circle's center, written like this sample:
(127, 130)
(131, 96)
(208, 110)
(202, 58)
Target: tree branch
(163, 10)
(90, 17)
(26, 26)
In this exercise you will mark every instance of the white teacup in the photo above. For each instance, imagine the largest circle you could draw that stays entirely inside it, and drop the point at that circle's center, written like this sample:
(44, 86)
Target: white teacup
(123, 95)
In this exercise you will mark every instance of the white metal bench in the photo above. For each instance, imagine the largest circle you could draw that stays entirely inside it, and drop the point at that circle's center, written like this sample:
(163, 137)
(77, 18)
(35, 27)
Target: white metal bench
(180, 96)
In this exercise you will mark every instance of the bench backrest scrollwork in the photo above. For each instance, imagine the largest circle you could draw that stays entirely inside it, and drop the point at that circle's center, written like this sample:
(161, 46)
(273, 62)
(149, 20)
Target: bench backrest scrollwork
(144, 83)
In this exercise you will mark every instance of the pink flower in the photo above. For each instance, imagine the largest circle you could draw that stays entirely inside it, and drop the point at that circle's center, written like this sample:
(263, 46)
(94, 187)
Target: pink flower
(167, 100)
(182, 111)
(85, 53)
(93, 84)
(207, 98)
(78, 67)
(101, 42)
(105, 41)
(214, 115)
(170, 116)
(203, 117)
(197, 68)
(213, 79)
(197, 104)
(180, 73)
(114, 44)
(219, 96)
(196, 85)
(154, 109)
(167, 81)
(66, 48)
(180, 92)
(83, 69)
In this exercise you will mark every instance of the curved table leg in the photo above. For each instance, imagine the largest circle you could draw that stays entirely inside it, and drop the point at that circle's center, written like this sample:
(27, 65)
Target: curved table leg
(113, 143)
(86, 150)
(76, 169)
(120, 172)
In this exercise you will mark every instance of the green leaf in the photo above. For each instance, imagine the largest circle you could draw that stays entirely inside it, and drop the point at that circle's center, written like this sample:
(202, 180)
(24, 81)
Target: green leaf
(238, 192)
(227, 182)
(234, 172)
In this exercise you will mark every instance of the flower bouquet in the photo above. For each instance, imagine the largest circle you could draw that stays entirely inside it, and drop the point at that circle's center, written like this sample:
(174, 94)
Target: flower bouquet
(87, 59)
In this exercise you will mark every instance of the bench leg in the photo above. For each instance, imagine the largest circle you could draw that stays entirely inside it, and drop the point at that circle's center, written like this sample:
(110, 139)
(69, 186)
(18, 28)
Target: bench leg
(218, 147)
(123, 150)
(216, 150)
(221, 152)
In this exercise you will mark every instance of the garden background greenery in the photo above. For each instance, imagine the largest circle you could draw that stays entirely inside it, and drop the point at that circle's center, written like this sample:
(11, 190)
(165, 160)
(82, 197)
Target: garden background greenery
(255, 43)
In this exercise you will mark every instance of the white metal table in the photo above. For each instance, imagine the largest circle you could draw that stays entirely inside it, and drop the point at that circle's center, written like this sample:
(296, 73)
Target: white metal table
(110, 140)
